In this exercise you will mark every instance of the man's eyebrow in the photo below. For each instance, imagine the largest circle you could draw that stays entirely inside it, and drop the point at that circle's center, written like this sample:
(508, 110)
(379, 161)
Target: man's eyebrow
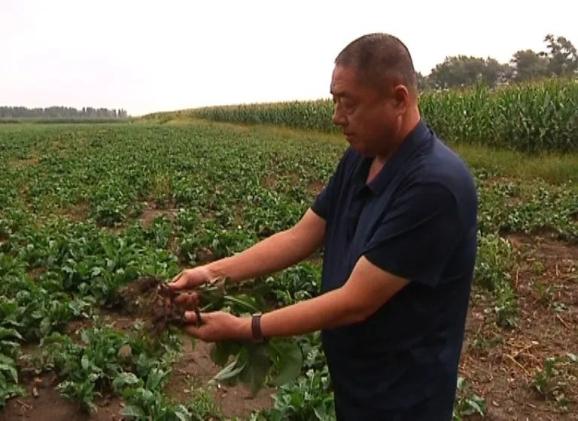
(338, 93)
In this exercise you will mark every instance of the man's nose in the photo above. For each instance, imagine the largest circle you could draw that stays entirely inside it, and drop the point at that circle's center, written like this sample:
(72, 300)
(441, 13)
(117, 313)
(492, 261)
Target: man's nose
(338, 117)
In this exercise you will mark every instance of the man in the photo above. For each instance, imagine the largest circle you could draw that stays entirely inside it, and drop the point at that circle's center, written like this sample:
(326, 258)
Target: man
(398, 223)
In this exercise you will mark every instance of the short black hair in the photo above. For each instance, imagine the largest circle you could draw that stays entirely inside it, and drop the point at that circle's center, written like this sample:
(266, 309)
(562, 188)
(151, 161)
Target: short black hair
(381, 59)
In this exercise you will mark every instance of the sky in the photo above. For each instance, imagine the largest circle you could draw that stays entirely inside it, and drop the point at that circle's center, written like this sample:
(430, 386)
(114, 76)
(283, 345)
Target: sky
(152, 55)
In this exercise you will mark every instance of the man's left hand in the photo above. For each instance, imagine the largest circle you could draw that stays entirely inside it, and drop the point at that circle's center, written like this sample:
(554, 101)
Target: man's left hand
(218, 326)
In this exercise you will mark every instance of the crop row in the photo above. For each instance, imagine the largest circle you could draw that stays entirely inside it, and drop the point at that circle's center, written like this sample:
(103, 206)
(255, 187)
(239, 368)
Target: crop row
(526, 117)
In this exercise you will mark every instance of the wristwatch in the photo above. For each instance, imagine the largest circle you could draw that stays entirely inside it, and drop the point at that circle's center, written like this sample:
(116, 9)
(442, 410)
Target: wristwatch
(256, 328)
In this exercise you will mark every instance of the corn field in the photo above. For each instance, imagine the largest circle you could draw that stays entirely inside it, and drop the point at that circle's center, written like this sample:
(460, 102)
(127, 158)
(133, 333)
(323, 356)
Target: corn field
(531, 118)
(535, 117)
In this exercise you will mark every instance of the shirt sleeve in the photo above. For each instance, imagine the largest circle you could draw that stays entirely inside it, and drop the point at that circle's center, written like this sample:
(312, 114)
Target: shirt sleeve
(417, 235)
(327, 198)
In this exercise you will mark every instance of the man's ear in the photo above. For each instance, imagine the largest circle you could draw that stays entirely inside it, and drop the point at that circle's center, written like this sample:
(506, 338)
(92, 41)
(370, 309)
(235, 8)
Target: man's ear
(401, 97)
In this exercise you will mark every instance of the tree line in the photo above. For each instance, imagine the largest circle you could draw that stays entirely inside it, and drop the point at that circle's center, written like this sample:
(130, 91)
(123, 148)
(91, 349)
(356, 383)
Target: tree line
(559, 59)
(61, 113)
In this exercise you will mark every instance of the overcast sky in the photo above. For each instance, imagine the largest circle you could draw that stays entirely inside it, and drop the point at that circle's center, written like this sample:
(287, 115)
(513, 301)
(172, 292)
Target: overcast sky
(147, 55)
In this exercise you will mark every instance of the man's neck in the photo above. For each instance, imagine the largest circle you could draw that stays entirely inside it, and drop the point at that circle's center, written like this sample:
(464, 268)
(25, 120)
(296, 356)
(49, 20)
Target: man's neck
(409, 123)
(374, 169)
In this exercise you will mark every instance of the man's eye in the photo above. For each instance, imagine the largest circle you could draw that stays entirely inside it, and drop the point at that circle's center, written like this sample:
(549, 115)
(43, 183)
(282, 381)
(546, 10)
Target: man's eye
(349, 106)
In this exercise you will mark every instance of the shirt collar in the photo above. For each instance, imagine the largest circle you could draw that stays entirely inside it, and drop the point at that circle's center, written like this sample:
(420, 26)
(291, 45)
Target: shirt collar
(412, 142)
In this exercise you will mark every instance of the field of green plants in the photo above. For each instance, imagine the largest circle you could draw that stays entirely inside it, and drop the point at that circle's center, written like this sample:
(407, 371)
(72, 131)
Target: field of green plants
(534, 117)
(87, 209)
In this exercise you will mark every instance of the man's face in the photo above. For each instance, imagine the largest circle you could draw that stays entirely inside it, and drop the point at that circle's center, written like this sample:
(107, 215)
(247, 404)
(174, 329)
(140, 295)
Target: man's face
(368, 118)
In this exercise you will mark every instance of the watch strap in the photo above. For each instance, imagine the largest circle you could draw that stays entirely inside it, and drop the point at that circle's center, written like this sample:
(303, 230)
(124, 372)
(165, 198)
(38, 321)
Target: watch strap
(256, 331)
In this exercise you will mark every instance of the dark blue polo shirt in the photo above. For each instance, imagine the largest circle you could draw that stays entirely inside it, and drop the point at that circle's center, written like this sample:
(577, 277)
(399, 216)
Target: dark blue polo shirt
(417, 220)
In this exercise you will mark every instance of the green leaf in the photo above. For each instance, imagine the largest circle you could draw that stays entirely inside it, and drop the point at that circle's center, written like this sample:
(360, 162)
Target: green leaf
(9, 333)
(321, 413)
(229, 372)
(182, 413)
(257, 368)
(5, 359)
(289, 361)
(222, 351)
(155, 378)
(9, 391)
(85, 362)
(125, 379)
(133, 411)
(11, 370)
(242, 303)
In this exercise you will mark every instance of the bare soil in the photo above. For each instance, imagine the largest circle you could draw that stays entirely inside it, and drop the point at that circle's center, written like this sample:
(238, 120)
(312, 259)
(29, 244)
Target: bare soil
(501, 364)
(153, 211)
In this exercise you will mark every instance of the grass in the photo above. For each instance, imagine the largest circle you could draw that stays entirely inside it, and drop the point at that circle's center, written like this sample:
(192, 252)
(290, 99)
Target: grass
(551, 167)
(555, 168)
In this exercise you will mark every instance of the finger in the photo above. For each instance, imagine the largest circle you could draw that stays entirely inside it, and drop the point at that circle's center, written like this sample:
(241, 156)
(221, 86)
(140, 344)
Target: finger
(194, 318)
(199, 332)
(176, 278)
(193, 331)
(178, 282)
(188, 300)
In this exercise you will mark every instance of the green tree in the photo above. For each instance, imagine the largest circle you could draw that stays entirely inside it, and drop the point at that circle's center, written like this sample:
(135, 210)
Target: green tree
(562, 57)
(457, 71)
(496, 73)
(529, 65)
(423, 82)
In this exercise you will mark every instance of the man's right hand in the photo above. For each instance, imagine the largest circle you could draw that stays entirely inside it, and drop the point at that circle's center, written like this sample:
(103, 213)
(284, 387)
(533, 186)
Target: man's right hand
(269, 255)
(191, 278)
